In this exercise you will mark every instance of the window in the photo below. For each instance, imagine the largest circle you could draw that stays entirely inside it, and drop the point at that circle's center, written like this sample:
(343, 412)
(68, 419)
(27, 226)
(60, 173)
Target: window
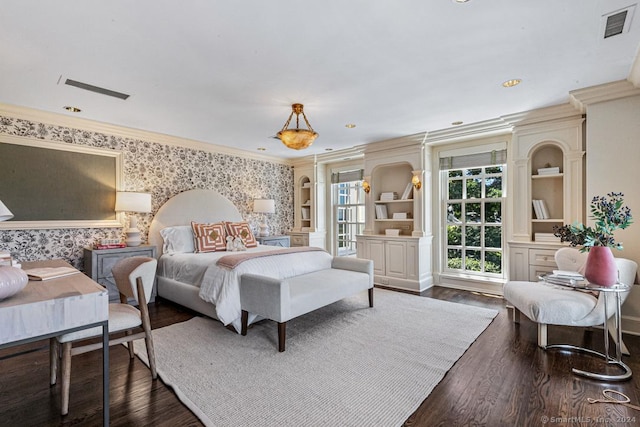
(348, 212)
(473, 219)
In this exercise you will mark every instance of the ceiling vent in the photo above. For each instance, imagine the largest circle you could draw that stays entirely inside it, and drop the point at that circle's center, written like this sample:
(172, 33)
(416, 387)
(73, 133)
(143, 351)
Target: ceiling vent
(96, 89)
(618, 22)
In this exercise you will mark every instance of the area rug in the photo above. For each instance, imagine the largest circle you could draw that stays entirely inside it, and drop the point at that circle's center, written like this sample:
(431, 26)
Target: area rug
(344, 365)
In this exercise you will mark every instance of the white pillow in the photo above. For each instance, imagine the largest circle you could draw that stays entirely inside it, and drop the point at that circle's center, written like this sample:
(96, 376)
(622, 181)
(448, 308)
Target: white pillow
(177, 239)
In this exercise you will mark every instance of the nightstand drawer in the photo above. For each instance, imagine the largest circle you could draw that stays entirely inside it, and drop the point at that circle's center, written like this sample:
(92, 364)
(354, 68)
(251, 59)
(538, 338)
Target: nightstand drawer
(99, 262)
(107, 261)
(282, 241)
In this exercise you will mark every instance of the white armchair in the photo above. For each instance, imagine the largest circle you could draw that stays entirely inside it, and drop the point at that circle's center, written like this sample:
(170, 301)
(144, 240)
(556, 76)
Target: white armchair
(549, 305)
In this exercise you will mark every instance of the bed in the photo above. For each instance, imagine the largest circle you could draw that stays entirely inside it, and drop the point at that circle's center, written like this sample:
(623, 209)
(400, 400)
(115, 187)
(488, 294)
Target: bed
(194, 280)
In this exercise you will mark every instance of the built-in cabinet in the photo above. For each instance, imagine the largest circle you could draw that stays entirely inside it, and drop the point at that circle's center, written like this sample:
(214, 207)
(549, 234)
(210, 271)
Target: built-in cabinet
(559, 194)
(309, 215)
(395, 236)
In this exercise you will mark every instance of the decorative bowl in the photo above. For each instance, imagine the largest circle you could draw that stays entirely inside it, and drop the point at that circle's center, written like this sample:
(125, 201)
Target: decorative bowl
(12, 281)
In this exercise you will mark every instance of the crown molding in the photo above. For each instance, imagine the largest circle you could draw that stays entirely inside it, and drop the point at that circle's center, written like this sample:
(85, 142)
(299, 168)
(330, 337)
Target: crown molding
(476, 130)
(329, 157)
(394, 143)
(58, 119)
(539, 115)
(582, 98)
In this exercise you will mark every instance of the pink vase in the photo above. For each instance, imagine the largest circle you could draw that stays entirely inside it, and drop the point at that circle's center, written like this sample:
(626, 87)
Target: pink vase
(601, 268)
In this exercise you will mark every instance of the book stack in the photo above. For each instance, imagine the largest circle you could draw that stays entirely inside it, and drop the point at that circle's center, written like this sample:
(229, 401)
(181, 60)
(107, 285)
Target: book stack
(400, 215)
(386, 197)
(110, 245)
(540, 209)
(48, 273)
(549, 171)
(5, 259)
(571, 279)
(545, 237)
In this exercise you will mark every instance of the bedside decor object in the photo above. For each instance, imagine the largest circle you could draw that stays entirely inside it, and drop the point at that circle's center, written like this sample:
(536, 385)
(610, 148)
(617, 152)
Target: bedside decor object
(5, 213)
(264, 206)
(128, 201)
(297, 138)
(12, 281)
(609, 214)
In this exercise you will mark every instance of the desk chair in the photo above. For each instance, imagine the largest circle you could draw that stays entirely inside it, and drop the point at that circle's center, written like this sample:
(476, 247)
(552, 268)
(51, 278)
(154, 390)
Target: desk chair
(134, 278)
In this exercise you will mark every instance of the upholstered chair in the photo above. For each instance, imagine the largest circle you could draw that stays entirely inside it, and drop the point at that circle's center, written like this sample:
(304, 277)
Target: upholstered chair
(134, 278)
(555, 305)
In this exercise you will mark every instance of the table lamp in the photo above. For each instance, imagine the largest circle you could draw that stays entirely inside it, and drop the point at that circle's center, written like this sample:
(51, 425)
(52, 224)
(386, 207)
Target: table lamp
(264, 206)
(129, 201)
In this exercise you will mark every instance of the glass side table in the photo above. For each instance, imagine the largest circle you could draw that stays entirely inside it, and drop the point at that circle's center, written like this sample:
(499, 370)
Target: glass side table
(607, 292)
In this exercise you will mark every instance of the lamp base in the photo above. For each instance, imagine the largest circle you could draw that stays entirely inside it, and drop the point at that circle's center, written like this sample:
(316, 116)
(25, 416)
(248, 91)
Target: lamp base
(264, 230)
(133, 237)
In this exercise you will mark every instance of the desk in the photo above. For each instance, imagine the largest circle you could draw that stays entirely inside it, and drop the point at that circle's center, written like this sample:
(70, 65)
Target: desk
(607, 292)
(45, 309)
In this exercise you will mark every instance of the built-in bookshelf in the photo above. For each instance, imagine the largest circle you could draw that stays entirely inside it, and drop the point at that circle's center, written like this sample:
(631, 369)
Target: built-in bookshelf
(547, 190)
(547, 169)
(393, 200)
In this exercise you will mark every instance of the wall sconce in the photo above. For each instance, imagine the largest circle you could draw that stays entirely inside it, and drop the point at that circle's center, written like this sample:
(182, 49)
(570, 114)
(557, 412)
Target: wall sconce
(366, 187)
(264, 206)
(133, 202)
(416, 182)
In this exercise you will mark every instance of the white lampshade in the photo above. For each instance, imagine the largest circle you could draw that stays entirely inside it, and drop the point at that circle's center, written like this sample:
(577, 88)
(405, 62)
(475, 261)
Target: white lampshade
(264, 205)
(129, 201)
(5, 213)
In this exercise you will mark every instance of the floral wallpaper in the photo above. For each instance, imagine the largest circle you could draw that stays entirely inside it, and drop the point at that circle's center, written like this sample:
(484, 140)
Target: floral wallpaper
(159, 169)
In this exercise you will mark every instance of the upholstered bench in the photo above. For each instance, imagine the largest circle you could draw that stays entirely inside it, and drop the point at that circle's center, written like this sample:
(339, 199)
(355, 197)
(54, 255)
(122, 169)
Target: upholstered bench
(281, 300)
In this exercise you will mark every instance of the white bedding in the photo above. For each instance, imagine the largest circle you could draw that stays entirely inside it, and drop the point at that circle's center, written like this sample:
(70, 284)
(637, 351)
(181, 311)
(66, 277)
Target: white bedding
(221, 286)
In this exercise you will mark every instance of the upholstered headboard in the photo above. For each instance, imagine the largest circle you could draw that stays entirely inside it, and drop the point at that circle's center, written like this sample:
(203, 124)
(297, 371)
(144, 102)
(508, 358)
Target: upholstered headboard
(193, 205)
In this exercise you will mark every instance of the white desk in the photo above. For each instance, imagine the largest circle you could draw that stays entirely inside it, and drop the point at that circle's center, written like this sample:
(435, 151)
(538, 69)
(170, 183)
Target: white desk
(45, 309)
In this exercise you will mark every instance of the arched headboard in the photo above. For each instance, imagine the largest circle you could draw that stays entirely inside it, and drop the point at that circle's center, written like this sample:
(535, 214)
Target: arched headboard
(205, 206)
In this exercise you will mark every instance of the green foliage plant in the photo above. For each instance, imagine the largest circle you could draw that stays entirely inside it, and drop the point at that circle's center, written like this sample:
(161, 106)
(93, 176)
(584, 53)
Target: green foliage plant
(609, 213)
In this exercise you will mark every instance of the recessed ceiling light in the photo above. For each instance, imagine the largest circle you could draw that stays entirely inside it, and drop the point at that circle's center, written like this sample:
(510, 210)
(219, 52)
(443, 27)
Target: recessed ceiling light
(72, 109)
(511, 83)
(460, 1)
(350, 125)
(457, 123)
(262, 149)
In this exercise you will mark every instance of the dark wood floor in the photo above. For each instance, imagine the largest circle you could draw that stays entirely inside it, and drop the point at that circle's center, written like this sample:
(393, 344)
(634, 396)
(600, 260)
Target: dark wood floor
(504, 379)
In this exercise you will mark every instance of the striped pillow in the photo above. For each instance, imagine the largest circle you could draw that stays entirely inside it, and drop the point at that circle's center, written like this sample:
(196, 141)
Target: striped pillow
(209, 237)
(243, 230)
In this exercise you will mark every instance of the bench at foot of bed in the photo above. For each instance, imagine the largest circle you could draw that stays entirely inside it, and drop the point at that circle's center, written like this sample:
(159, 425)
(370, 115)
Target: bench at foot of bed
(281, 300)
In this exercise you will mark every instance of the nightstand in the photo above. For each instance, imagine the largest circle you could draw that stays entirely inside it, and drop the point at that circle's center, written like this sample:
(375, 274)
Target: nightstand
(99, 262)
(282, 241)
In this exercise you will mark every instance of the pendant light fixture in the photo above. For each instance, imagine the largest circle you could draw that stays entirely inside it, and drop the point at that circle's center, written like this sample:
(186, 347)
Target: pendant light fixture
(297, 138)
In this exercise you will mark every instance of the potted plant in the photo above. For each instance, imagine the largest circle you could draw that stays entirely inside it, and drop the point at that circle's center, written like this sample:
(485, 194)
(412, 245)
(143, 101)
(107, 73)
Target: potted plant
(610, 214)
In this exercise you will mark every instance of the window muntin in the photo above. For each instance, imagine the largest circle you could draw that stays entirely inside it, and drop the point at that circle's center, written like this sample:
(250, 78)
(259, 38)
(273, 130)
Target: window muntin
(473, 218)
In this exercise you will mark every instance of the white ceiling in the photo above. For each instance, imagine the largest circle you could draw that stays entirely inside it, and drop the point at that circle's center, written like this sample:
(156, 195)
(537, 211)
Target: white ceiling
(226, 72)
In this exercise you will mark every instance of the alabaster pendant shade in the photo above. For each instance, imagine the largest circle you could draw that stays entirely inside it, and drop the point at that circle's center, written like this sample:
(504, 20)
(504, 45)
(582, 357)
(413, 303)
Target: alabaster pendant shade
(297, 138)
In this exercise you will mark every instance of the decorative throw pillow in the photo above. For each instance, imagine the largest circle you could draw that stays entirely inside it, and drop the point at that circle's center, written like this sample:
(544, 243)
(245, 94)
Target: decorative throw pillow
(242, 230)
(209, 237)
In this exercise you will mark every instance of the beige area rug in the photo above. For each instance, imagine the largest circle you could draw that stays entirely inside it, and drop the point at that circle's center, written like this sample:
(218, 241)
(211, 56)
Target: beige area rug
(345, 365)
